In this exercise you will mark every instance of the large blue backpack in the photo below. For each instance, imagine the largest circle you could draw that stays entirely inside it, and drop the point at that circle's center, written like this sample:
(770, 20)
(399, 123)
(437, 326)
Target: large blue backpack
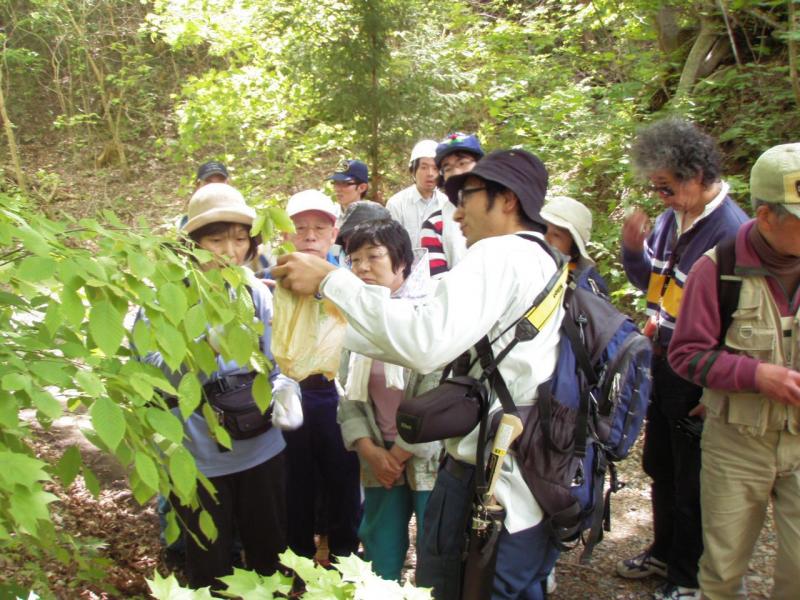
(587, 417)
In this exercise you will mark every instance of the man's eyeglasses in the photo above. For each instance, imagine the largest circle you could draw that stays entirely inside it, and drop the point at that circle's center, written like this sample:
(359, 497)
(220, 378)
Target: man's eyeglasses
(463, 193)
(461, 164)
(661, 190)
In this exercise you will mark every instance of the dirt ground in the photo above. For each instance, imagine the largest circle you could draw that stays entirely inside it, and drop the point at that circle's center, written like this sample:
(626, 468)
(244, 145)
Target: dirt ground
(127, 534)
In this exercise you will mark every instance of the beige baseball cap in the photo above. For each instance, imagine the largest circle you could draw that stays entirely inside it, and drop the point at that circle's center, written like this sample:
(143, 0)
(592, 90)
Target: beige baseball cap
(775, 177)
(217, 203)
(566, 212)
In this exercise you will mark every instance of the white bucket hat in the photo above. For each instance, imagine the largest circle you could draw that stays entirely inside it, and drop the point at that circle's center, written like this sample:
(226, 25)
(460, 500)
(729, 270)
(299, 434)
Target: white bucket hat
(217, 203)
(568, 213)
(312, 200)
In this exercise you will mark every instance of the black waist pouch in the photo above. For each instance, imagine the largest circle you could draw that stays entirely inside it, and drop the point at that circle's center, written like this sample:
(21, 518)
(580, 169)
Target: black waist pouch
(232, 401)
(452, 409)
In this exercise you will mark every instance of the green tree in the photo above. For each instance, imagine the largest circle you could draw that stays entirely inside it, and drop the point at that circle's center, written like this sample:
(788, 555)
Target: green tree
(67, 289)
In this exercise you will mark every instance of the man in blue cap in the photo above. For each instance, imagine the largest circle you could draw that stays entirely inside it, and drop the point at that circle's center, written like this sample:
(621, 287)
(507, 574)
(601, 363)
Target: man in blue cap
(497, 206)
(456, 154)
(350, 182)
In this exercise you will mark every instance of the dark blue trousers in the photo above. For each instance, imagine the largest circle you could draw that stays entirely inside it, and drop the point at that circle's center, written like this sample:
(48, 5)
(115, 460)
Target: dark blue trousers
(523, 559)
(318, 464)
(671, 457)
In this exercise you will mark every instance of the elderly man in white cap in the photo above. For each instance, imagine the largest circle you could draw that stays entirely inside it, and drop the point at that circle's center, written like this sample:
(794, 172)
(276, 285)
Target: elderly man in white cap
(317, 446)
(569, 229)
(413, 205)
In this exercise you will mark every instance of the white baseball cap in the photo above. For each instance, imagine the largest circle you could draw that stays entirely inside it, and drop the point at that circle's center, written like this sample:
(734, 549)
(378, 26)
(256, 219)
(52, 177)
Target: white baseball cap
(423, 149)
(312, 200)
(568, 213)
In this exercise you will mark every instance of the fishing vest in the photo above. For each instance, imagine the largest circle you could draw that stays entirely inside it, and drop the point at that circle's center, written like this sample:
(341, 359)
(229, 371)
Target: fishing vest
(758, 330)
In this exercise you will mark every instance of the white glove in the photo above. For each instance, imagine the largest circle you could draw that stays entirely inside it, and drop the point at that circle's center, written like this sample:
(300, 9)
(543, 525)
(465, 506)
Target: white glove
(287, 412)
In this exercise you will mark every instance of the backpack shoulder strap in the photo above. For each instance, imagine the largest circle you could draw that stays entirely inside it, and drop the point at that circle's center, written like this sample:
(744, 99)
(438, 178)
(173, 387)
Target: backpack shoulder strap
(528, 326)
(728, 285)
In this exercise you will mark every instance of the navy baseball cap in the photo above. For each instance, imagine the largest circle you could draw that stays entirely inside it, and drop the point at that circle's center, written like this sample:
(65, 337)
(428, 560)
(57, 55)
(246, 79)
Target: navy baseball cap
(518, 170)
(210, 168)
(458, 142)
(351, 170)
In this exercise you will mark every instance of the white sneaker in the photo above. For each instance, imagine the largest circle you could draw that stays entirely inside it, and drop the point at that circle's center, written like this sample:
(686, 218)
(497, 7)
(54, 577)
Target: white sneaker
(670, 591)
(551, 581)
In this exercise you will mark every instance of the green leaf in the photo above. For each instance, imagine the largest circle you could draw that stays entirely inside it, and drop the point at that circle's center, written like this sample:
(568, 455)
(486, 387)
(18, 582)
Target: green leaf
(9, 411)
(166, 424)
(15, 381)
(105, 325)
(47, 404)
(304, 567)
(172, 298)
(262, 392)
(205, 357)
(169, 589)
(19, 470)
(189, 394)
(173, 346)
(142, 388)
(29, 507)
(33, 240)
(108, 421)
(353, 568)
(147, 470)
(143, 337)
(51, 372)
(68, 466)
(183, 471)
(251, 585)
(90, 383)
(90, 479)
(72, 307)
(195, 322)
(36, 268)
(53, 318)
(140, 264)
(207, 525)
(281, 219)
(240, 342)
(172, 531)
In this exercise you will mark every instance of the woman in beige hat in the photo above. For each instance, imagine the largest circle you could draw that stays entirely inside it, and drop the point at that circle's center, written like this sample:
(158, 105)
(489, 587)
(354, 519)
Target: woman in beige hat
(250, 476)
(569, 229)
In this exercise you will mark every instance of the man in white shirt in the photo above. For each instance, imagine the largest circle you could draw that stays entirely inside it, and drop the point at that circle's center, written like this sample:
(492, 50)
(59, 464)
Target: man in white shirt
(485, 293)
(413, 205)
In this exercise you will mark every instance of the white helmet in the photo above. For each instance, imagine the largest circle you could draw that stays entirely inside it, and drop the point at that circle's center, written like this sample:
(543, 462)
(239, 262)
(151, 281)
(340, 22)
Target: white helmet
(423, 149)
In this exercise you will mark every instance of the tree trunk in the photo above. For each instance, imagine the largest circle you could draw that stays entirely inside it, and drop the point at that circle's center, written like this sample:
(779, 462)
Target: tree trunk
(793, 53)
(700, 58)
(12, 142)
(375, 118)
(669, 33)
(105, 96)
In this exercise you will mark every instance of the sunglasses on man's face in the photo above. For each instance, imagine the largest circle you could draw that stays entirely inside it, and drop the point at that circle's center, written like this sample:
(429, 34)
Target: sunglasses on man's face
(661, 190)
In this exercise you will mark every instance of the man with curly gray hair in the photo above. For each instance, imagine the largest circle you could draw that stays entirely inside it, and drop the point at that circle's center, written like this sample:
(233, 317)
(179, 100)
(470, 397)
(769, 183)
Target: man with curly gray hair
(682, 165)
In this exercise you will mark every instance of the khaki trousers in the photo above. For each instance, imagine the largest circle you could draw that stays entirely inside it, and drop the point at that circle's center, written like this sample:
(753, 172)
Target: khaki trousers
(739, 475)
